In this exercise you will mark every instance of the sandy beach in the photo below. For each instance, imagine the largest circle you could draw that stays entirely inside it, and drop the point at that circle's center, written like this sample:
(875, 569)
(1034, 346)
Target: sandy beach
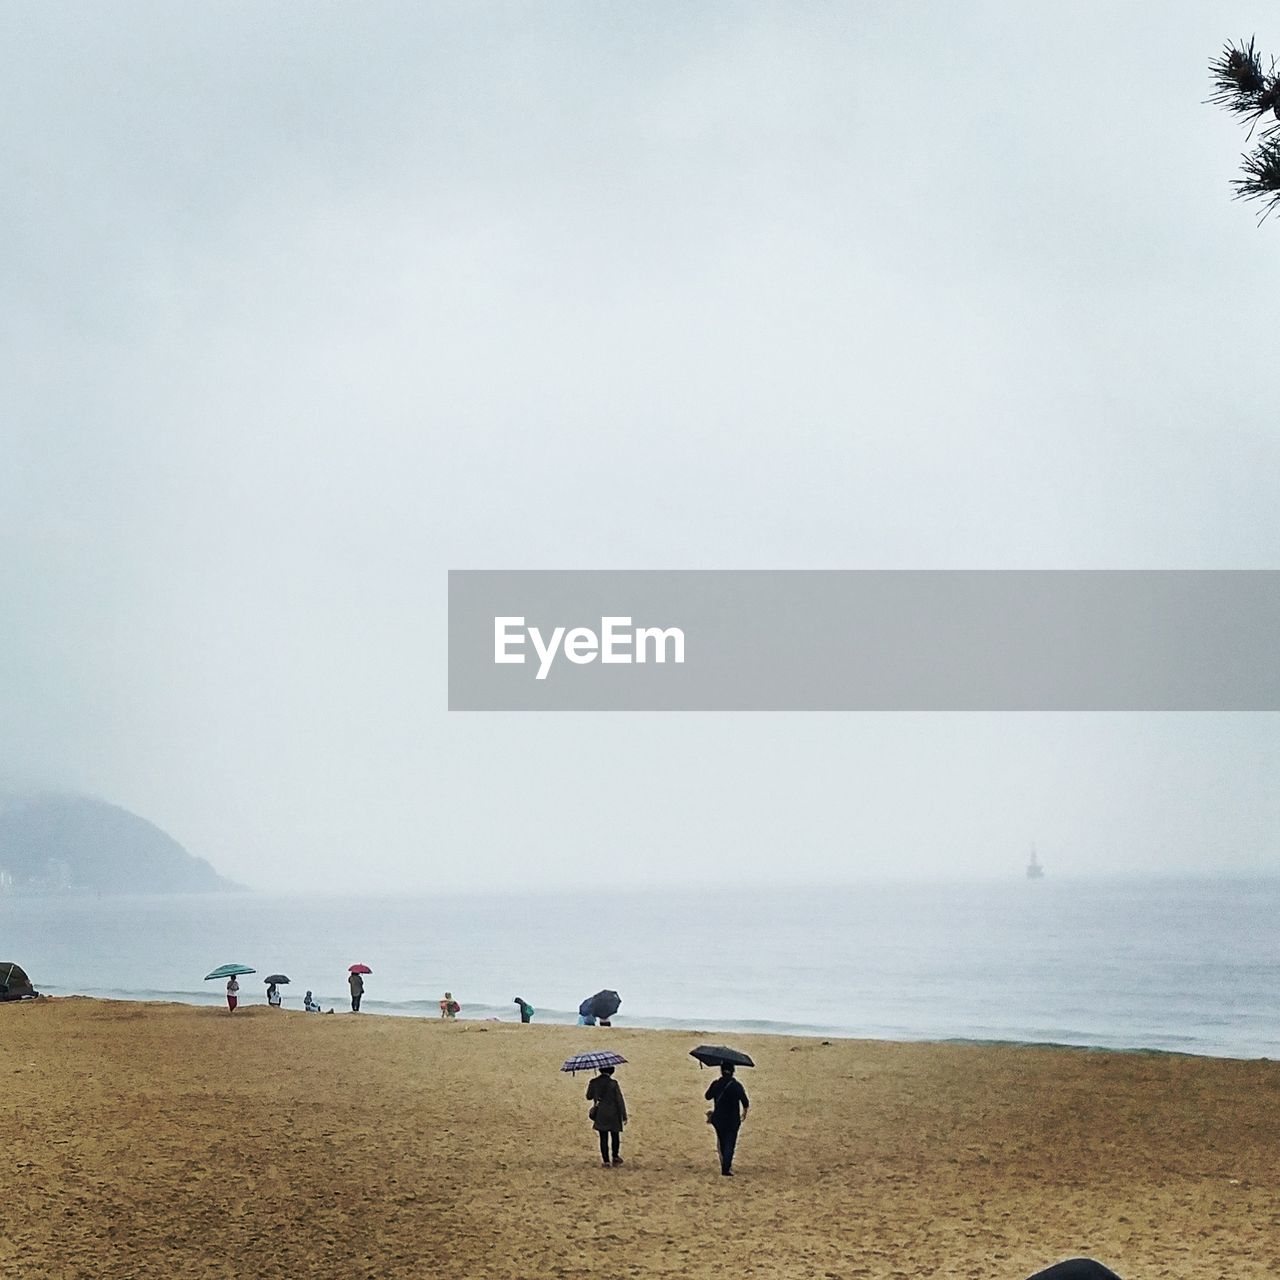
(165, 1140)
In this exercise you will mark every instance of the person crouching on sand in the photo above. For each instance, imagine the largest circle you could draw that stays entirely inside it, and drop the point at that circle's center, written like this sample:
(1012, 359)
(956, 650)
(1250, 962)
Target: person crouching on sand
(233, 993)
(728, 1095)
(449, 1007)
(609, 1113)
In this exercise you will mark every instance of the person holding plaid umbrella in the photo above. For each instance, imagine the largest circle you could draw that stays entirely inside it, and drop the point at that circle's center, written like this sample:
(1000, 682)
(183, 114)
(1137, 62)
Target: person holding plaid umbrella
(608, 1114)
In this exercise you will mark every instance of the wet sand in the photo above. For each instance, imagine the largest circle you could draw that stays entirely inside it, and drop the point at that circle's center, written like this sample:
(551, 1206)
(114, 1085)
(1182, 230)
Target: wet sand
(174, 1141)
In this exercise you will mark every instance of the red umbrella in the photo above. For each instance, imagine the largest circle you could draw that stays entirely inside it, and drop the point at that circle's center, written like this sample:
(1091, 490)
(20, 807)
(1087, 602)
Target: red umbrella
(359, 968)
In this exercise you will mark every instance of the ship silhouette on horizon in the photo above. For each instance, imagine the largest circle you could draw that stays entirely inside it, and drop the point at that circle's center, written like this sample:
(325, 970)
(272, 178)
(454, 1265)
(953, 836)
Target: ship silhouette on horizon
(1035, 869)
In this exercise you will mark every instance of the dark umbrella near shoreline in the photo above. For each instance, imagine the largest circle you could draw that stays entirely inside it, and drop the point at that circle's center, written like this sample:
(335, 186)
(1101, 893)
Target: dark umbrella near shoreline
(602, 1005)
(716, 1055)
(275, 978)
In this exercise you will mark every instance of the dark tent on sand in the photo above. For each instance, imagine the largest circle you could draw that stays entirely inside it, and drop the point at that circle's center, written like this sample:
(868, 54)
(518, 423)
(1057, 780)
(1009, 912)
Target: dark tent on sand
(14, 983)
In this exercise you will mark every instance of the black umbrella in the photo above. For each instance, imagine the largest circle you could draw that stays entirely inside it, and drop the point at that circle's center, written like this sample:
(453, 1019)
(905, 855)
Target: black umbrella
(275, 977)
(604, 1004)
(715, 1055)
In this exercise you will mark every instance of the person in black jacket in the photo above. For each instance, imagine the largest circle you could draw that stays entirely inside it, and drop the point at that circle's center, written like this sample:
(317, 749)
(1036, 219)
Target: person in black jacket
(731, 1105)
(609, 1113)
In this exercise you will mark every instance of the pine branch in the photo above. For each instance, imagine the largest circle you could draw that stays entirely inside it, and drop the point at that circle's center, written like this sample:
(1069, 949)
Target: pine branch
(1241, 87)
(1261, 179)
(1238, 79)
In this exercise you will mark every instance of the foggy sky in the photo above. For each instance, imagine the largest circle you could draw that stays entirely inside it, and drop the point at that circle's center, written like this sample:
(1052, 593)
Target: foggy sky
(302, 306)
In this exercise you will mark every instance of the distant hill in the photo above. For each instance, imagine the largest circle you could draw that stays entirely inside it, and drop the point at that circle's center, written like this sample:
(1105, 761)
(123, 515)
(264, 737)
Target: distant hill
(64, 843)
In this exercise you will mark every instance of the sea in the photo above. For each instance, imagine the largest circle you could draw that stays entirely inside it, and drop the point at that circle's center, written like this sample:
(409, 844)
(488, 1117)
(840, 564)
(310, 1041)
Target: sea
(1173, 965)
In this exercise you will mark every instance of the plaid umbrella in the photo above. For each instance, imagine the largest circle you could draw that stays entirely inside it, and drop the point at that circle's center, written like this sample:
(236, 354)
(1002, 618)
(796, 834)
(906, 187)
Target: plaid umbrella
(590, 1061)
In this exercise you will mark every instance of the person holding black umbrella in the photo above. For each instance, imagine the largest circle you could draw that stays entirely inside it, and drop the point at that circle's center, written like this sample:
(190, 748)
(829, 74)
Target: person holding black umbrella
(727, 1095)
(599, 1007)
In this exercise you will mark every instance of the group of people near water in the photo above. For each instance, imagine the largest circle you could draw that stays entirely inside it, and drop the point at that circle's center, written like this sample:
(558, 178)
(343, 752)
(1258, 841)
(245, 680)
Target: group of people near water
(275, 1000)
(449, 1007)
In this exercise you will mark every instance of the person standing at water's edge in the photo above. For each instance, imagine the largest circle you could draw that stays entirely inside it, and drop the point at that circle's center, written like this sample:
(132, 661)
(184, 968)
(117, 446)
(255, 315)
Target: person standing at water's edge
(609, 1113)
(233, 993)
(356, 982)
(727, 1095)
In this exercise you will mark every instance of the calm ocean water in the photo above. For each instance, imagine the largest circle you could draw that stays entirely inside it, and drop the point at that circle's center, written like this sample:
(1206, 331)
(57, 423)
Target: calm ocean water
(1191, 966)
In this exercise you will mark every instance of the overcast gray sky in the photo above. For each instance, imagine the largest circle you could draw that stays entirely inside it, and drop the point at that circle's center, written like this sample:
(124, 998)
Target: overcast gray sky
(303, 305)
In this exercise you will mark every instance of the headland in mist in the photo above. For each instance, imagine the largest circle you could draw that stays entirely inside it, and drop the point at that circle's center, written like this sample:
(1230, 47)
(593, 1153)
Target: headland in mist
(69, 843)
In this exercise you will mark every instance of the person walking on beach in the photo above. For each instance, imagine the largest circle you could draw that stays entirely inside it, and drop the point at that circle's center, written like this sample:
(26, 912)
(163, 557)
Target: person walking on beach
(233, 993)
(356, 983)
(727, 1095)
(608, 1113)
